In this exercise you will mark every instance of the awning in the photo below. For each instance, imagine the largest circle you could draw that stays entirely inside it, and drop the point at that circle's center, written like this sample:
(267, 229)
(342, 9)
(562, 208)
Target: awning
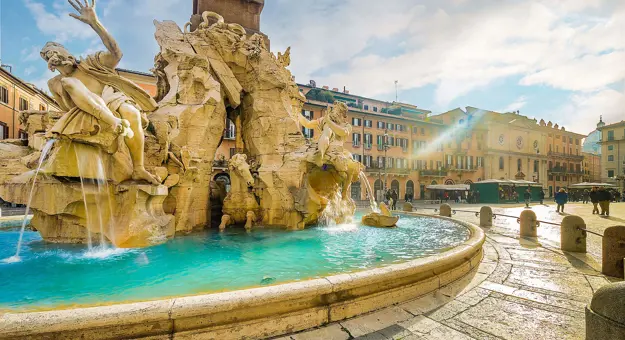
(590, 185)
(511, 182)
(448, 187)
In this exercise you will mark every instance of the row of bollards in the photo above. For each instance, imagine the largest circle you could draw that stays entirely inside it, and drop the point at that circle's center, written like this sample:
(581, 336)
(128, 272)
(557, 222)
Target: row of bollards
(573, 236)
(605, 315)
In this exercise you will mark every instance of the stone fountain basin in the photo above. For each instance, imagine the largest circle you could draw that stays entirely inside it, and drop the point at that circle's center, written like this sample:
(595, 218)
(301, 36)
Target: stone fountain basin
(257, 312)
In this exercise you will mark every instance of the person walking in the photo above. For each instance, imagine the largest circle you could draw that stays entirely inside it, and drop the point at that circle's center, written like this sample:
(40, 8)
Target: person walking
(585, 196)
(395, 197)
(561, 198)
(604, 201)
(527, 196)
(541, 195)
(477, 196)
(594, 199)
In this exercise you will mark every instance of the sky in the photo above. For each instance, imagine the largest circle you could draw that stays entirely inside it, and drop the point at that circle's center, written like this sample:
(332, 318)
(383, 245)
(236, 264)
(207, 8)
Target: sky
(558, 60)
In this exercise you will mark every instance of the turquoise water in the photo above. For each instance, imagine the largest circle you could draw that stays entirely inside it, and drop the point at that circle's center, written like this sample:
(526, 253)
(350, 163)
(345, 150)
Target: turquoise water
(55, 276)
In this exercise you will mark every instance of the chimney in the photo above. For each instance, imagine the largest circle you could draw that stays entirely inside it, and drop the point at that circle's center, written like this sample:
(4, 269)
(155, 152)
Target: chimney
(336, 89)
(325, 87)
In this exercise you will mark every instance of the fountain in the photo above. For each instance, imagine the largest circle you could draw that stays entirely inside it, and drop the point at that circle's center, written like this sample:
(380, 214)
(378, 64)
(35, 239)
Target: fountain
(131, 171)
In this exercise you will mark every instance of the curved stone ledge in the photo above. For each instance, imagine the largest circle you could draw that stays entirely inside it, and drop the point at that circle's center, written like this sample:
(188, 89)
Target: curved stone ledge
(258, 312)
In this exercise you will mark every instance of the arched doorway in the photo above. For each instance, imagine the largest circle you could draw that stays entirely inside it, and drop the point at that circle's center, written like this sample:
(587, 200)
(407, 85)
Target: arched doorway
(468, 182)
(449, 182)
(433, 183)
(410, 188)
(395, 186)
(377, 189)
(356, 191)
(223, 178)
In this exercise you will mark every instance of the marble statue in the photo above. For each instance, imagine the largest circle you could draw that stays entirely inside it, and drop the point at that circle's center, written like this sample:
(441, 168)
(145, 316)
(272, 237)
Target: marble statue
(142, 166)
(93, 94)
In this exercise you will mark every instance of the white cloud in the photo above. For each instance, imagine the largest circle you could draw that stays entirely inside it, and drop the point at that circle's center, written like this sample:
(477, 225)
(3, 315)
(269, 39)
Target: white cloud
(582, 111)
(31, 54)
(518, 104)
(29, 70)
(58, 24)
(458, 46)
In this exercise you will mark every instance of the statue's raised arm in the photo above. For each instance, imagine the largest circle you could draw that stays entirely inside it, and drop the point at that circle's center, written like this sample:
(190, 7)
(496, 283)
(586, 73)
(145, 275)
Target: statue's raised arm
(88, 16)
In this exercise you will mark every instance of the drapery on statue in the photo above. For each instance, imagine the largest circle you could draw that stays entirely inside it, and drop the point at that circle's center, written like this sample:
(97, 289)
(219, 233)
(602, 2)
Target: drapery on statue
(91, 92)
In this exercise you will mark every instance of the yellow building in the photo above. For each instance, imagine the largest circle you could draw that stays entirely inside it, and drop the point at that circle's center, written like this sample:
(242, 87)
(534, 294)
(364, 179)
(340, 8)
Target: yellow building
(565, 156)
(613, 154)
(592, 167)
(17, 95)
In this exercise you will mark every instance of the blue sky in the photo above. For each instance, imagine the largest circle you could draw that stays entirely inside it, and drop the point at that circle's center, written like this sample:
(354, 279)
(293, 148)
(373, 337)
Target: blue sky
(561, 60)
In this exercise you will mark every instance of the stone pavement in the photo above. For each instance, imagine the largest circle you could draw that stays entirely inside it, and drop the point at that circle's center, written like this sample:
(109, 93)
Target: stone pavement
(523, 289)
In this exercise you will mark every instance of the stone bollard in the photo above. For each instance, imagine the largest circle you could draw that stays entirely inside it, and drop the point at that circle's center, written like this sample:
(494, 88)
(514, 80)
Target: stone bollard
(605, 316)
(528, 223)
(613, 251)
(445, 210)
(486, 217)
(407, 207)
(571, 238)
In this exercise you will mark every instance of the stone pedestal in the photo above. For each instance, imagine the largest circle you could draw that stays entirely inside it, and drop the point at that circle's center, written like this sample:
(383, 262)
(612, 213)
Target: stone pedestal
(528, 224)
(486, 217)
(613, 248)
(445, 210)
(605, 316)
(571, 237)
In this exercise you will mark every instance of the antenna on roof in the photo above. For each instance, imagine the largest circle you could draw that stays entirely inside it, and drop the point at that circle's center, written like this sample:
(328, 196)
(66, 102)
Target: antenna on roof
(396, 96)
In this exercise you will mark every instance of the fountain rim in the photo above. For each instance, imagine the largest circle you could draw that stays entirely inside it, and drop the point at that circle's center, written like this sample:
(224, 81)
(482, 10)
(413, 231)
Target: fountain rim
(291, 306)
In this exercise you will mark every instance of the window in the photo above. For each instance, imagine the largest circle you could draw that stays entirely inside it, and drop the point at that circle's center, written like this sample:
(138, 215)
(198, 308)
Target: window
(4, 131)
(23, 104)
(366, 107)
(570, 140)
(368, 123)
(439, 165)
(611, 135)
(229, 133)
(356, 121)
(423, 131)
(391, 141)
(357, 158)
(479, 162)
(368, 140)
(501, 167)
(610, 158)
(449, 160)
(399, 127)
(390, 164)
(610, 147)
(381, 161)
(519, 165)
(22, 134)
(356, 139)
(381, 125)
(368, 160)
(390, 126)
(610, 173)
(557, 178)
(42, 107)
(4, 95)
(564, 139)
(308, 133)
(536, 165)
(375, 109)
(576, 141)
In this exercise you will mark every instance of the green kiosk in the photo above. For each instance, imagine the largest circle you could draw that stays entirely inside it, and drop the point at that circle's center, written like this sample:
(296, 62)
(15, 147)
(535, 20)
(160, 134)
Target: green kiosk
(502, 191)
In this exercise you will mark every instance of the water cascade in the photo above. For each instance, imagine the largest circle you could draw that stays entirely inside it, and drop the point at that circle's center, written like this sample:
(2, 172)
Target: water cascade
(44, 153)
(372, 202)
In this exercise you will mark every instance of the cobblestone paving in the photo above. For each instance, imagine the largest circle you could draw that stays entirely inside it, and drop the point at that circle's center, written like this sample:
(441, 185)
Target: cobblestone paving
(523, 289)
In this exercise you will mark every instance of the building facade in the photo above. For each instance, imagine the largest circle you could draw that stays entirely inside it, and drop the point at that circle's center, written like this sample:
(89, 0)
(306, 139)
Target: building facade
(17, 95)
(592, 167)
(613, 154)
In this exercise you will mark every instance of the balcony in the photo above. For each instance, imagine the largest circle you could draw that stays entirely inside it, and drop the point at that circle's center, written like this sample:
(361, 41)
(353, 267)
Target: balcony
(381, 169)
(467, 169)
(565, 155)
(566, 171)
(367, 146)
(433, 173)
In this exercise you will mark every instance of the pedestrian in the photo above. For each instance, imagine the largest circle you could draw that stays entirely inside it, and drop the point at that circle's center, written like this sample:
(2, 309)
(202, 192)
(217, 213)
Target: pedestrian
(594, 199)
(585, 196)
(541, 195)
(561, 198)
(604, 201)
(528, 197)
(387, 197)
(446, 196)
(395, 197)
(516, 196)
(477, 196)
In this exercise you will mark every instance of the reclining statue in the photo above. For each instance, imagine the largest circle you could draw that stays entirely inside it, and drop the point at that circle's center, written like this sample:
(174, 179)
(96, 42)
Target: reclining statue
(91, 93)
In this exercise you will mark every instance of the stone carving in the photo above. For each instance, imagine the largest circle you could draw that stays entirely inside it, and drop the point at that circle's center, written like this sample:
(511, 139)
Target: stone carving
(216, 71)
(383, 219)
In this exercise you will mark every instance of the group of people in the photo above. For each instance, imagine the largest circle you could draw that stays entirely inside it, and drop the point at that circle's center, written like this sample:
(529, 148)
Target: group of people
(390, 198)
(584, 195)
(599, 197)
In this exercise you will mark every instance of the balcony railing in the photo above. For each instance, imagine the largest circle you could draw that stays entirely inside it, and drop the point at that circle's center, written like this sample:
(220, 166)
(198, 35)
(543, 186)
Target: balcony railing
(367, 146)
(563, 170)
(433, 173)
(464, 169)
(565, 155)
